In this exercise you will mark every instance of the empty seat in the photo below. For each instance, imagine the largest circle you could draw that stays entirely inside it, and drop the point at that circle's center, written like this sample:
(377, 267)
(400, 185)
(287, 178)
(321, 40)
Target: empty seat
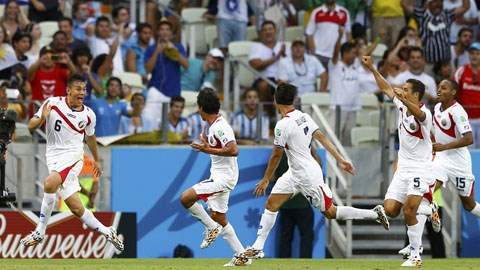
(195, 30)
(369, 103)
(132, 79)
(190, 100)
(240, 50)
(252, 33)
(365, 136)
(294, 33)
(211, 36)
(322, 99)
(48, 29)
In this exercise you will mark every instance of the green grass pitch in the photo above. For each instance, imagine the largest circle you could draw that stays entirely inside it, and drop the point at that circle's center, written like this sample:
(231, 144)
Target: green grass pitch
(267, 264)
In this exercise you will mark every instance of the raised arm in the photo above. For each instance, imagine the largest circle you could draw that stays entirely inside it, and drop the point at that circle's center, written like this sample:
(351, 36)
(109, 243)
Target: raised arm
(347, 166)
(36, 122)
(338, 44)
(459, 11)
(382, 83)
(408, 6)
(412, 107)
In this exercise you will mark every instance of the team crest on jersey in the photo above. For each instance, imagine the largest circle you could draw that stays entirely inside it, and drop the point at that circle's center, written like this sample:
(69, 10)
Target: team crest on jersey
(82, 124)
(413, 126)
(444, 122)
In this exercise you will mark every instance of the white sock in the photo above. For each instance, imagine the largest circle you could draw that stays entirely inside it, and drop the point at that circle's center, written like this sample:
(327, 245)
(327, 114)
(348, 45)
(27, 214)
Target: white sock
(424, 209)
(266, 224)
(414, 235)
(476, 210)
(45, 211)
(229, 235)
(347, 212)
(199, 213)
(91, 221)
(421, 220)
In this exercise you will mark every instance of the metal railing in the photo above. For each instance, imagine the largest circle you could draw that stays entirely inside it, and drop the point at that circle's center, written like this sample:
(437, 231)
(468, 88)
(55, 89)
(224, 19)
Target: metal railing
(337, 238)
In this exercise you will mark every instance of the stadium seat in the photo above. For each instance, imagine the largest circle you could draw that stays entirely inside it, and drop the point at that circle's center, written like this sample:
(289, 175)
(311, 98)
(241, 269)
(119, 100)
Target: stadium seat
(195, 30)
(300, 17)
(2, 9)
(132, 79)
(377, 54)
(252, 34)
(365, 136)
(322, 99)
(211, 36)
(369, 103)
(294, 32)
(241, 49)
(374, 118)
(48, 29)
(190, 101)
(22, 134)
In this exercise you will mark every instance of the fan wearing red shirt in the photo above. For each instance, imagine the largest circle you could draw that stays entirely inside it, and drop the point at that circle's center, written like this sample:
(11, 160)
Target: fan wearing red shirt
(48, 75)
(467, 77)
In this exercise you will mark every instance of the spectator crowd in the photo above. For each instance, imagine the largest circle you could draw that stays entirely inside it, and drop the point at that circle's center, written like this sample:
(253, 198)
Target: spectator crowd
(424, 39)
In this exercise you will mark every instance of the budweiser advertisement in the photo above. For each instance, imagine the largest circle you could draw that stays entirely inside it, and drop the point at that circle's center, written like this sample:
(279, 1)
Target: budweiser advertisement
(67, 236)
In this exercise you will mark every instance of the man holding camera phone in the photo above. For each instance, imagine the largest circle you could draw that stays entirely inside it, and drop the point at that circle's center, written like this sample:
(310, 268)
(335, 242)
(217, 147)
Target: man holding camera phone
(163, 61)
(48, 75)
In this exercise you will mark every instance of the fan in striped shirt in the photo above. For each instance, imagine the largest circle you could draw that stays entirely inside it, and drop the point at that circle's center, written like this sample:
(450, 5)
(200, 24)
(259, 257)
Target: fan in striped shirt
(434, 25)
(244, 121)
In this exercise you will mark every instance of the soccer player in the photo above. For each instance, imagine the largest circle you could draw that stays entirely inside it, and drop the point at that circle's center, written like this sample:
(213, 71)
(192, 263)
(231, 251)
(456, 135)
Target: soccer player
(453, 134)
(411, 182)
(294, 134)
(68, 121)
(215, 191)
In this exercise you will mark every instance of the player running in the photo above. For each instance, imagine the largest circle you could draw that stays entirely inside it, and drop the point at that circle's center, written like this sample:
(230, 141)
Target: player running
(412, 181)
(68, 121)
(294, 134)
(453, 134)
(215, 191)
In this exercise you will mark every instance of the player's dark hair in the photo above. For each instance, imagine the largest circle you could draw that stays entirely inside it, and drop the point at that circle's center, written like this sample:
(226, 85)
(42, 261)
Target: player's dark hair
(417, 87)
(208, 100)
(177, 99)
(285, 94)
(76, 77)
(453, 84)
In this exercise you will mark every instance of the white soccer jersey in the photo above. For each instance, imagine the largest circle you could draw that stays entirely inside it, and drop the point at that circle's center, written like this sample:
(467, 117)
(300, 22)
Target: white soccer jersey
(415, 143)
(294, 133)
(66, 128)
(219, 135)
(450, 125)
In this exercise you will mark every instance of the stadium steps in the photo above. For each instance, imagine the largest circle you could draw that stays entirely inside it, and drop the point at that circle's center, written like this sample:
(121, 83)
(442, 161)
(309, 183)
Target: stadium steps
(370, 240)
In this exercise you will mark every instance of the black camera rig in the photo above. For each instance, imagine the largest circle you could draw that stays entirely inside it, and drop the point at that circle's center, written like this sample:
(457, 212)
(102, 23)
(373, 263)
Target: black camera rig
(7, 127)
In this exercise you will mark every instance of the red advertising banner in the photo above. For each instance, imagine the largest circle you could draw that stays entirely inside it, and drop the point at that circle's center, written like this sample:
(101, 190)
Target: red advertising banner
(67, 236)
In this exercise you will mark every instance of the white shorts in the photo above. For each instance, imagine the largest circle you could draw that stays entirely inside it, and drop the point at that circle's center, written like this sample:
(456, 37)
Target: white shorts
(461, 177)
(215, 193)
(317, 192)
(69, 168)
(406, 183)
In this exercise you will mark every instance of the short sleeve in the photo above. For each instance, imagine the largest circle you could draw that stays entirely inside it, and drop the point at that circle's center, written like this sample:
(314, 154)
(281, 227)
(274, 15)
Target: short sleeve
(255, 52)
(311, 24)
(225, 134)
(460, 117)
(397, 102)
(92, 121)
(428, 116)
(280, 138)
(38, 114)
(181, 50)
